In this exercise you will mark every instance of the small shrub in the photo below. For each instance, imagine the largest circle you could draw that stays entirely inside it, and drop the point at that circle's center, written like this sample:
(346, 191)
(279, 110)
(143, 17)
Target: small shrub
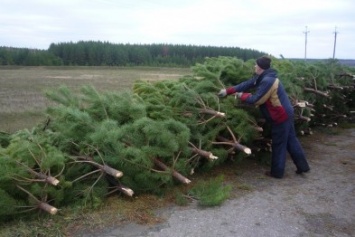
(212, 192)
(180, 199)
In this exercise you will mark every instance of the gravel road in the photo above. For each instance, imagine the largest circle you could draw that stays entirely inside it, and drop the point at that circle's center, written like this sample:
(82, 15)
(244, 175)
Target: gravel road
(319, 203)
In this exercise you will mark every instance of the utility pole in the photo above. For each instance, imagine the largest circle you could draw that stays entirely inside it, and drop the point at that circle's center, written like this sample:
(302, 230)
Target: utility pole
(335, 41)
(305, 44)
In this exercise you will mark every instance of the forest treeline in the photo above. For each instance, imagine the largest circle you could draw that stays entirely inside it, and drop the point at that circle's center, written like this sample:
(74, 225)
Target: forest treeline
(97, 53)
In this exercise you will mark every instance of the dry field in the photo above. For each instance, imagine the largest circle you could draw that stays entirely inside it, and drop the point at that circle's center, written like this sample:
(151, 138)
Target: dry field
(22, 100)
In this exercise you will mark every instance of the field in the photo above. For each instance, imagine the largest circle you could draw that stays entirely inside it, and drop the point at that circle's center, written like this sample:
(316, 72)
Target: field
(22, 100)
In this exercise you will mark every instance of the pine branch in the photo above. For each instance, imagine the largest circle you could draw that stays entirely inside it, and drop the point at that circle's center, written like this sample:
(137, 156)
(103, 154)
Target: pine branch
(307, 131)
(213, 112)
(330, 108)
(46, 124)
(234, 144)
(42, 177)
(174, 173)
(346, 75)
(105, 168)
(317, 92)
(204, 108)
(86, 175)
(48, 208)
(303, 118)
(40, 204)
(45, 178)
(119, 187)
(335, 87)
(203, 153)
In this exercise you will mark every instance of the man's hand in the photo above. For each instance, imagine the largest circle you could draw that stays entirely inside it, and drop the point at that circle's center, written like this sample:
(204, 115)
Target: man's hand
(242, 96)
(238, 95)
(222, 93)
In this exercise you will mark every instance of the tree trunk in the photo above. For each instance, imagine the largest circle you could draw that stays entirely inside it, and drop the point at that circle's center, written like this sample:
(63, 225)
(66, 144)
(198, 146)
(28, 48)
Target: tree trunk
(212, 112)
(48, 208)
(174, 173)
(325, 94)
(48, 179)
(236, 145)
(125, 190)
(203, 153)
(105, 168)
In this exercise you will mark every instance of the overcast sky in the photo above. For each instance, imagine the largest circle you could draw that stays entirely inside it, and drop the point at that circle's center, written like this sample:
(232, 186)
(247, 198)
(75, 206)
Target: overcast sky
(272, 26)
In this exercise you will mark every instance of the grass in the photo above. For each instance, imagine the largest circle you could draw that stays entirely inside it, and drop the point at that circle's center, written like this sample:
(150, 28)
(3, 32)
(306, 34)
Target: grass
(22, 99)
(115, 211)
(211, 192)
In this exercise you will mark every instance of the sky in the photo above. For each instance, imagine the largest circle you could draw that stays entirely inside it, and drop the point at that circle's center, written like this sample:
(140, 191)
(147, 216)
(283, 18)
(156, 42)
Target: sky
(277, 27)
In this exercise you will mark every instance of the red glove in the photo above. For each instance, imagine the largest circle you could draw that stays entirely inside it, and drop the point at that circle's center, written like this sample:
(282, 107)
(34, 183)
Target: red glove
(231, 90)
(244, 96)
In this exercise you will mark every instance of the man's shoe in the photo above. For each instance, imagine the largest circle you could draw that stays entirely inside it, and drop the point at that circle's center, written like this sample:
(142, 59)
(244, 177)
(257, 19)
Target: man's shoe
(302, 171)
(268, 173)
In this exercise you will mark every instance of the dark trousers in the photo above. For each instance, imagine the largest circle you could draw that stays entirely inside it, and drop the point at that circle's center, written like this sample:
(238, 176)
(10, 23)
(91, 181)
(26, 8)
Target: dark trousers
(284, 140)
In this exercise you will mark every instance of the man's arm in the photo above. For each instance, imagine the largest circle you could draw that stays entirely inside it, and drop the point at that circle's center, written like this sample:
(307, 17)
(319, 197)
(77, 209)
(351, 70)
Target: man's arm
(263, 93)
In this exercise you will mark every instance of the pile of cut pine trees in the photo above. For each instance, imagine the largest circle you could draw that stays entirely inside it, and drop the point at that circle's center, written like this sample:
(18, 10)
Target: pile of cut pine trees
(157, 135)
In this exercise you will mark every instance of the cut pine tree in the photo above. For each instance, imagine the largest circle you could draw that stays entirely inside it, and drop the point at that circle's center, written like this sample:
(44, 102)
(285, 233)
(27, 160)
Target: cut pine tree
(173, 172)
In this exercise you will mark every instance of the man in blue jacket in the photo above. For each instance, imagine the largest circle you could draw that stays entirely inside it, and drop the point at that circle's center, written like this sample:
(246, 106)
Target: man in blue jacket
(272, 99)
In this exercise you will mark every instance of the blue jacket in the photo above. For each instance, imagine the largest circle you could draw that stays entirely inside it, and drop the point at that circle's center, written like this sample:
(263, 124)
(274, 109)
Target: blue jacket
(270, 96)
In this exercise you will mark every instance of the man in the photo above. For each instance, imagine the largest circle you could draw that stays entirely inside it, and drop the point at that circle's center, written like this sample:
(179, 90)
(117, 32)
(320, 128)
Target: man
(276, 107)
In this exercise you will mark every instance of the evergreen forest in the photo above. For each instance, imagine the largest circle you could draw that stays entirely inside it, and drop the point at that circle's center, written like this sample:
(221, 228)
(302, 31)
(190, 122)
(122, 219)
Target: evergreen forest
(97, 53)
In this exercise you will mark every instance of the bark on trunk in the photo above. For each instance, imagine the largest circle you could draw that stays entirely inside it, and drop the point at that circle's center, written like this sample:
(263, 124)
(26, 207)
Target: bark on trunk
(105, 168)
(174, 173)
(203, 153)
(301, 117)
(212, 112)
(111, 171)
(125, 190)
(48, 208)
(325, 94)
(236, 145)
(46, 178)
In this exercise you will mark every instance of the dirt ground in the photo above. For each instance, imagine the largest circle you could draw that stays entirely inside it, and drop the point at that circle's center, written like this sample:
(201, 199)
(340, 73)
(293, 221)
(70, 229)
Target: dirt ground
(319, 203)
